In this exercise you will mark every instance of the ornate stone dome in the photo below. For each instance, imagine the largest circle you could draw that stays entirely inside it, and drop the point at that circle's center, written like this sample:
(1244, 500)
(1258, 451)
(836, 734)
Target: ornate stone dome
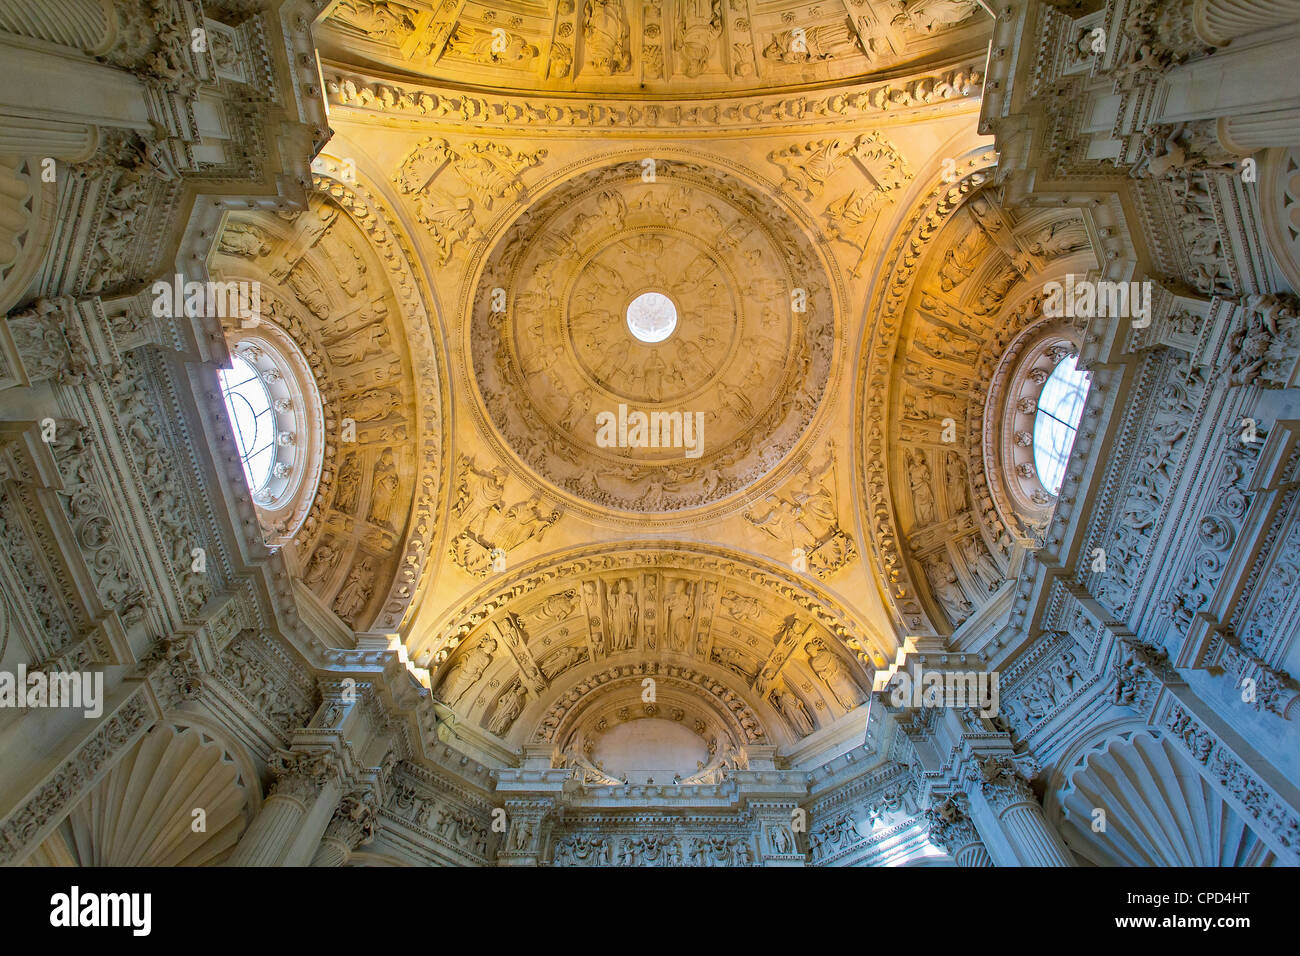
(746, 323)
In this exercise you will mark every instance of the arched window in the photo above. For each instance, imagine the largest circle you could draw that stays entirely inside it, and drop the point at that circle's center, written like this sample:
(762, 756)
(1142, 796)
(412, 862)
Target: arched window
(1036, 400)
(277, 422)
(252, 417)
(1060, 406)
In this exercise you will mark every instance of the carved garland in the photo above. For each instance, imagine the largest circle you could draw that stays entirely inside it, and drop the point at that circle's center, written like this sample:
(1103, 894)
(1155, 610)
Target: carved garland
(856, 105)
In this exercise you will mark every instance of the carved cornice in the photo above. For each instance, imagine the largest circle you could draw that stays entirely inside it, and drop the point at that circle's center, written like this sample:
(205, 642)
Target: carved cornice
(942, 90)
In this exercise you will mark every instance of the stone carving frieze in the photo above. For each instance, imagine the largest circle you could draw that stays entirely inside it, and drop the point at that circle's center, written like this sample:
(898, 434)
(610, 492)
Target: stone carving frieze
(856, 104)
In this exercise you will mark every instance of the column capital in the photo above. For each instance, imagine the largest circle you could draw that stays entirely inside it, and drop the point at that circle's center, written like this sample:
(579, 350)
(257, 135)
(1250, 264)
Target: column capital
(1001, 783)
(300, 775)
(355, 821)
(951, 828)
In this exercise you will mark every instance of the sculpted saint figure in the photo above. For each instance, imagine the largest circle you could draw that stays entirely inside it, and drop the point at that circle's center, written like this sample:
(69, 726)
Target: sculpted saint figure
(385, 493)
(479, 495)
(355, 592)
(321, 563)
(623, 611)
(509, 707)
(793, 710)
(681, 612)
(827, 666)
(607, 32)
(466, 673)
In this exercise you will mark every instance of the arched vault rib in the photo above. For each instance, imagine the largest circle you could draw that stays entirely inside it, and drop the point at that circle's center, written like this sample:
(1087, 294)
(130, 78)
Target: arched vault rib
(751, 635)
(967, 277)
(937, 204)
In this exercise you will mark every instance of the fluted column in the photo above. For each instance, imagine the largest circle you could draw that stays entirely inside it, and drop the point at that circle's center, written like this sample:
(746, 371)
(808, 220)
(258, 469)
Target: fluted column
(1244, 135)
(300, 780)
(352, 825)
(1010, 805)
(84, 25)
(953, 831)
(1219, 21)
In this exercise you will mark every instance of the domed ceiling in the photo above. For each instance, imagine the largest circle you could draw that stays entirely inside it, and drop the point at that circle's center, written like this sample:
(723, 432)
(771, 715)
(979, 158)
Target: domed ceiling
(728, 390)
(650, 46)
(652, 297)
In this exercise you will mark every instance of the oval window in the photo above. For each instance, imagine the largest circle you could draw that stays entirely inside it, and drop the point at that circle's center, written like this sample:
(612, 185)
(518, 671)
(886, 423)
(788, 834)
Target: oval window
(249, 404)
(1060, 406)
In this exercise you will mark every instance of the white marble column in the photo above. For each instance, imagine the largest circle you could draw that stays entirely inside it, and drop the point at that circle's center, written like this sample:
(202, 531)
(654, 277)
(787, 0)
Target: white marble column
(1010, 805)
(1219, 21)
(303, 781)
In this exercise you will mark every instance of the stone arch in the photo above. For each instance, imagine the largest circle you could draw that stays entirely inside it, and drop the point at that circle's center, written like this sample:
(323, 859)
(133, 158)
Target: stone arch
(341, 287)
(790, 650)
(968, 274)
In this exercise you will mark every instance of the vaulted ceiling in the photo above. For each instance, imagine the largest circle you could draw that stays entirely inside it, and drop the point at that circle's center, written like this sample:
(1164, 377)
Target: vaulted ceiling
(805, 185)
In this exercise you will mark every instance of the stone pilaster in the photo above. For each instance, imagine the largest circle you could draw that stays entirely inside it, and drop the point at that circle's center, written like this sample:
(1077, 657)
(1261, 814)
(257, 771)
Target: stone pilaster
(528, 824)
(1010, 805)
(782, 834)
(303, 781)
